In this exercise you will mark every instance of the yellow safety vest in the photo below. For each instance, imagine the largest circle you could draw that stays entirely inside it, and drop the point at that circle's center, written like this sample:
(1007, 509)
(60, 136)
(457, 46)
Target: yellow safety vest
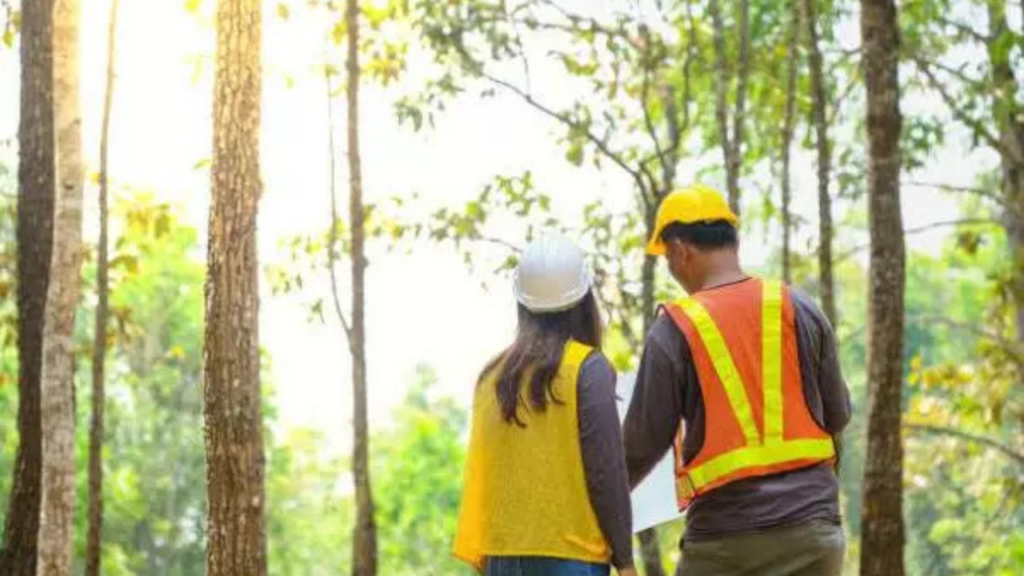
(525, 493)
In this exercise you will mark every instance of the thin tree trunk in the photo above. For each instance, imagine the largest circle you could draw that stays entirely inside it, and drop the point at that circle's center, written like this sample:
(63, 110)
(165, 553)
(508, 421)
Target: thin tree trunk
(882, 532)
(94, 536)
(788, 126)
(820, 91)
(1006, 114)
(650, 547)
(364, 542)
(234, 433)
(721, 101)
(57, 508)
(739, 119)
(36, 186)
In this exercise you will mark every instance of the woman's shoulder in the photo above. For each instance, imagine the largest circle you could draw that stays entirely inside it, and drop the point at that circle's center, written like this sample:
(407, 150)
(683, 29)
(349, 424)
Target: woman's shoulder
(596, 366)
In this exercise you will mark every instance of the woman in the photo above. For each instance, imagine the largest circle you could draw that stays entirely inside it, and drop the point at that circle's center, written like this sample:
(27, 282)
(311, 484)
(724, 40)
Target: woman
(546, 492)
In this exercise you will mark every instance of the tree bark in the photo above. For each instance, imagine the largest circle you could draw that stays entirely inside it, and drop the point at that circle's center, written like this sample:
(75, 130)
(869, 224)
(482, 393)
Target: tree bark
(1010, 126)
(739, 119)
(650, 548)
(234, 432)
(364, 541)
(57, 508)
(788, 127)
(721, 100)
(94, 536)
(732, 145)
(36, 186)
(882, 535)
(820, 93)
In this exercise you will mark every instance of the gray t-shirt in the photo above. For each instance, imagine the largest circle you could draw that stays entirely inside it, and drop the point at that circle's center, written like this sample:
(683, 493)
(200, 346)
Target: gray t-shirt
(668, 392)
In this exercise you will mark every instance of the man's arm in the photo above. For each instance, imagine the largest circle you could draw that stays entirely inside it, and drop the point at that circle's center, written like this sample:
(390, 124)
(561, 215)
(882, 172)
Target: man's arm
(657, 406)
(835, 396)
(817, 340)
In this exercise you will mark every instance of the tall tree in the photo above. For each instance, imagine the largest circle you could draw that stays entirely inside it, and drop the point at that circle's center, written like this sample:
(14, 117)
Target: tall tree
(56, 517)
(987, 105)
(1009, 122)
(731, 144)
(788, 127)
(882, 531)
(364, 541)
(234, 430)
(94, 535)
(820, 94)
(36, 186)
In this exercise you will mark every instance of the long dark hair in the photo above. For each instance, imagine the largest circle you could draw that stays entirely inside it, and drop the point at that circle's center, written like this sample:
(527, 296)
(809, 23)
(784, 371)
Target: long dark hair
(537, 351)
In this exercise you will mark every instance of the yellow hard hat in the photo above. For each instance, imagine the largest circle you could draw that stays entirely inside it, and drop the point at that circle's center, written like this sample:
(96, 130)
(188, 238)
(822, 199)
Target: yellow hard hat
(695, 203)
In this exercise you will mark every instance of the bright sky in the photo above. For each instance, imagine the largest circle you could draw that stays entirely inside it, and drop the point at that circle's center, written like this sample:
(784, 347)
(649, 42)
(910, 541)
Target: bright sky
(423, 308)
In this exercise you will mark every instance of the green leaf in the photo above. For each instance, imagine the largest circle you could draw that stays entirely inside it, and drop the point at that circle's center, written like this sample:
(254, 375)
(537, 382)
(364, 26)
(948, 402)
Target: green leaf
(126, 261)
(338, 32)
(575, 154)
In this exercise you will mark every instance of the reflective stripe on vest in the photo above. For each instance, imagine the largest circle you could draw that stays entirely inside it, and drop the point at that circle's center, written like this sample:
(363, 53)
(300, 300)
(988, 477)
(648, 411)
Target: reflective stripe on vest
(765, 450)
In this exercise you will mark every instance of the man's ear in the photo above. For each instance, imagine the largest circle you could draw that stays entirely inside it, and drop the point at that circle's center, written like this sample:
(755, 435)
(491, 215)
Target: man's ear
(687, 252)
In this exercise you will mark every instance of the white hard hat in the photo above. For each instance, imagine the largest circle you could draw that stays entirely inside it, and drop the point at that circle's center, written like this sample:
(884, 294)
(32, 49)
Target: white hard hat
(552, 274)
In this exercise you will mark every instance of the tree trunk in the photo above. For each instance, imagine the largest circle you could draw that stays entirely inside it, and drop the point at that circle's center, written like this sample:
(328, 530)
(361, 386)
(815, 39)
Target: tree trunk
(739, 119)
(732, 145)
(94, 537)
(721, 101)
(1006, 114)
(364, 542)
(57, 508)
(234, 434)
(882, 535)
(650, 548)
(819, 90)
(36, 186)
(788, 126)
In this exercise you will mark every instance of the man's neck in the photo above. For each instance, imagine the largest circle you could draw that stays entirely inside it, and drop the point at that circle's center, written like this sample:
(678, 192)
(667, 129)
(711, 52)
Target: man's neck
(726, 270)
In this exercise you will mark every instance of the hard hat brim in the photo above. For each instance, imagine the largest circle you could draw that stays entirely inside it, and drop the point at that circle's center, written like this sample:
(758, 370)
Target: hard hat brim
(655, 247)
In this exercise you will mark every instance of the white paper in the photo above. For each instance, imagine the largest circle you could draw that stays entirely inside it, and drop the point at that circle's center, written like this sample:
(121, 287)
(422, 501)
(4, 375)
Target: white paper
(654, 500)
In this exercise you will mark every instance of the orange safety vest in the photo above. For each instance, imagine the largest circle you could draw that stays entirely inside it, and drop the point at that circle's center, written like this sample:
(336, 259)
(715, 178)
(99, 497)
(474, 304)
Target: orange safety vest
(743, 342)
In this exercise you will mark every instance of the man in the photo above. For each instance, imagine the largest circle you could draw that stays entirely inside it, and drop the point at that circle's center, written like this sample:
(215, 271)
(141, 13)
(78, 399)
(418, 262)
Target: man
(742, 380)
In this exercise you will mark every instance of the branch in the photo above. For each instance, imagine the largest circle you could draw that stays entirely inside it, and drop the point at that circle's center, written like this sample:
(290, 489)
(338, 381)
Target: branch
(332, 241)
(957, 111)
(644, 93)
(571, 123)
(927, 228)
(980, 192)
(957, 325)
(957, 73)
(852, 85)
(501, 242)
(947, 223)
(961, 27)
(574, 28)
(519, 45)
(593, 23)
(1007, 451)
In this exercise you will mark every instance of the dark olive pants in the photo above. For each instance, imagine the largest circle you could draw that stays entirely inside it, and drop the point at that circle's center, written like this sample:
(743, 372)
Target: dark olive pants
(814, 548)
